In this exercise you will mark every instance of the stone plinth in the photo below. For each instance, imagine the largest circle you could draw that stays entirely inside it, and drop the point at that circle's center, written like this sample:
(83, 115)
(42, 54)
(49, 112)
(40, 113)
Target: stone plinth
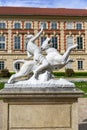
(40, 108)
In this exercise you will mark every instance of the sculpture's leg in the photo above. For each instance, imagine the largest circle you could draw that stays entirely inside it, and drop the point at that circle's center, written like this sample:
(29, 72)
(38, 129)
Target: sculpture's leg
(43, 66)
(16, 76)
(11, 80)
(67, 53)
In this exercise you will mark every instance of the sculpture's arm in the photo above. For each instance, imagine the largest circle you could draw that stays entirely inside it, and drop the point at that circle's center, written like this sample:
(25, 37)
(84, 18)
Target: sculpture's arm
(37, 35)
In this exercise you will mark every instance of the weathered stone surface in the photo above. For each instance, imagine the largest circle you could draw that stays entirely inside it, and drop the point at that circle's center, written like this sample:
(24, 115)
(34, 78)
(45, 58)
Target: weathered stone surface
(40, 108)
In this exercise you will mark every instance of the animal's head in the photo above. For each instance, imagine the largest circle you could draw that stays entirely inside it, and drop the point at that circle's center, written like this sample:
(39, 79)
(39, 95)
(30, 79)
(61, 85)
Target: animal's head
(46, 44)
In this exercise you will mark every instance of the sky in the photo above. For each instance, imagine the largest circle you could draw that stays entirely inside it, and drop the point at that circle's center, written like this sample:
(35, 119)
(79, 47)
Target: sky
(81, 4)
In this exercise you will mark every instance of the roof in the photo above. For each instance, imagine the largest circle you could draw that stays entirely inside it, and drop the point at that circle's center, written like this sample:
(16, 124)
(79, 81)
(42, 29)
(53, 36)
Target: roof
(42, 11)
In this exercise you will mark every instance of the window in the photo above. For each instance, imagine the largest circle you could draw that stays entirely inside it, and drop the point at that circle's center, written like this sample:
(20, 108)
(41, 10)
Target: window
(53, 25)
(28, 26)
(2, 25)
(80, 65)
(69, 25)
(54, 41)
(44, 25)
(79, 26)
(2, 43)
(42, 39)
(69, 41)
(17, 25)
(80, 43)
(2, 65)
(17, 42)
(17, 66)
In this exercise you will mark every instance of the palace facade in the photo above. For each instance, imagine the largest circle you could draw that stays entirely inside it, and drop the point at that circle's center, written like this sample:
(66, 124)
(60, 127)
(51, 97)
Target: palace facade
(64, 26)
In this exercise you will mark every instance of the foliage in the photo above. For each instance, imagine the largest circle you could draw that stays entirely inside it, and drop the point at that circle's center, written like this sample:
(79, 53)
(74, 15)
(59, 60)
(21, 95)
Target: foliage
(58, 74)
(2, 85)
(80, 74)
(4, 73)
(69, 72)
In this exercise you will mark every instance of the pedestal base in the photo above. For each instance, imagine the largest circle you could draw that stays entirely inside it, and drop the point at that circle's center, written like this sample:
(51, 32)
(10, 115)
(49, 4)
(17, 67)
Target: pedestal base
(40, 108)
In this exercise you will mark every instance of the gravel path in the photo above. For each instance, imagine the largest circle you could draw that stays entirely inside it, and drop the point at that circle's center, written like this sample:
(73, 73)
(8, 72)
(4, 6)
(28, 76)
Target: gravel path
(82, 112)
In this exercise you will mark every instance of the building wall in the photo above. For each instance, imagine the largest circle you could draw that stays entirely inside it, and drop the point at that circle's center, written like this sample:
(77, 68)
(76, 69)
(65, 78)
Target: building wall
(10, 54)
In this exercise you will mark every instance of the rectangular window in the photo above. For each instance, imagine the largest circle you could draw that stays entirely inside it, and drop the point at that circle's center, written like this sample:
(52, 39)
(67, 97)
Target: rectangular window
(2, 65)
(2, 43)
(2, 25)
(17, 41)
(79, 26)
(17, 66)
(43, 39)
(28, 26)
(69, 25)
(69, 41)
(55, 42)
(80, 43)
(53, 25)
(80, 65)
(17, 25)
(44, 25)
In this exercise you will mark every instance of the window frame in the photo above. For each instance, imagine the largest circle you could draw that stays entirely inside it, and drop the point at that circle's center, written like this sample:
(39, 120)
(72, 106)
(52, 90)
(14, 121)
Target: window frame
(80, 43)
(17, 66)
(80, 64)
(68, 43)
(53, 25)
(55, 41)
(79, 27)
(17, 25)
(3, 43)
(42, 39)
(68, 26)
(17, 44)
(44, 25)
(2, 25)
(30, 25)
(2, 64)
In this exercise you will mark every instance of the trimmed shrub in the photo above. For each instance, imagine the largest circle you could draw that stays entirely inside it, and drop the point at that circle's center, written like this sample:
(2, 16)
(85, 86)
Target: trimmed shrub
(59, 74)
(69, 72)
(4, 73)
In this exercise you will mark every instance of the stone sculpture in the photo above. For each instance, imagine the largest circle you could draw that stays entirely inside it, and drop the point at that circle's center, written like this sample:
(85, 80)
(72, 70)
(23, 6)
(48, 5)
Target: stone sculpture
(41, 65)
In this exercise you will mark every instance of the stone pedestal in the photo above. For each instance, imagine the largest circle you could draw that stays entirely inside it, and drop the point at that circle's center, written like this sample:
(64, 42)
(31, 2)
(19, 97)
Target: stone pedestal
(40, 108)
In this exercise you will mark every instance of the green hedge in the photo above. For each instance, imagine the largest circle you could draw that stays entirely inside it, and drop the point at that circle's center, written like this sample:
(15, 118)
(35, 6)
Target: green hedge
(80, 74)
(74, 74)
(59, 73)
